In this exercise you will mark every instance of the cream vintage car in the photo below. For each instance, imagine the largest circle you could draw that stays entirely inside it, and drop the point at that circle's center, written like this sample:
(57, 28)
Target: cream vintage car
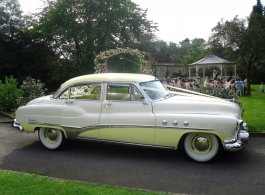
(134, 109)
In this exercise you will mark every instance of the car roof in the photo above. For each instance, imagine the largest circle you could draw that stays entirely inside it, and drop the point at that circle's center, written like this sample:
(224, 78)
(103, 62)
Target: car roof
(110, 77)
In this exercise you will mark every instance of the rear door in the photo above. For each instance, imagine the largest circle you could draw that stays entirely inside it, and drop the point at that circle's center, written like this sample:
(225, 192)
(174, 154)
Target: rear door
(82, 109)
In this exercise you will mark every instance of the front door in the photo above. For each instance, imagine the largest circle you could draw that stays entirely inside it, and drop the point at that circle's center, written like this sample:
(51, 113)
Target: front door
(125, 117)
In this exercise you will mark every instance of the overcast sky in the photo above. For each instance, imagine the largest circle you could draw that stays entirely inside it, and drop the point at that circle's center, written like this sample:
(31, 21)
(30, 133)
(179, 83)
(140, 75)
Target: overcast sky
(180, 19)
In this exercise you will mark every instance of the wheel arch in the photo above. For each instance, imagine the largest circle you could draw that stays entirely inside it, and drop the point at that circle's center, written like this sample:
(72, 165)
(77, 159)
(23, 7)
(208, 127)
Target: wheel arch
(182, 138)
(37, 128)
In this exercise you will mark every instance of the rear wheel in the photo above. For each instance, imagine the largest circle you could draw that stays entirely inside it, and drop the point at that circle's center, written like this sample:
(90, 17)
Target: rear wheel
(52, 139)
(201, 147)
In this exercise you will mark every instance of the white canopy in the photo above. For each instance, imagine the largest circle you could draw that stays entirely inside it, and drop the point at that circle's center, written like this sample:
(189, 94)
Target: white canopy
(212, 61)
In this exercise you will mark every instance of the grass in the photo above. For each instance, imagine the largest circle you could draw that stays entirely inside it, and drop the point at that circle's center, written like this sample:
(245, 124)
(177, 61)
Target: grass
(254, 109)
(14, 183)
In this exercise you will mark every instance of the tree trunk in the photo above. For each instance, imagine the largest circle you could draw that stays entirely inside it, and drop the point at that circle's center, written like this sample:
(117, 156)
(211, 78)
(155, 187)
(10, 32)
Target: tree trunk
(248, 79)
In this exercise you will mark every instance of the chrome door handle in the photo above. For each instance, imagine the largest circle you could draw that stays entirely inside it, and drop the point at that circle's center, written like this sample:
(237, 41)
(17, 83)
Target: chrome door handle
(106, 103)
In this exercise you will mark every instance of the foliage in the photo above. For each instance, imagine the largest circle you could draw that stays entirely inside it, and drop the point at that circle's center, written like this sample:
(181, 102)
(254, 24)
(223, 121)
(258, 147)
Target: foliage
(124, 63)
(217, 91)
(190, 51)
(31, 89)
(11, 97)
(112, 52)
(11, 26)
(23, 51)
(9, 94)
(162, 51)
(78, 30)
(258, 8)
(243, 41)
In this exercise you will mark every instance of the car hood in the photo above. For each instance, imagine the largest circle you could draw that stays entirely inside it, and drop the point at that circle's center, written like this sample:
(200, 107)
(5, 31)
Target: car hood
(38, 100)
(196, 104)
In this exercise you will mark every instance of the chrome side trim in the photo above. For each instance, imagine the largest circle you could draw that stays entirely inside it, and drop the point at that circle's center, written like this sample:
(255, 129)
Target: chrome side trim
(72, 133)
(121, 126)
(125, 143)
(156, 126)
(184, 128)
(37, 123)
(125, 125)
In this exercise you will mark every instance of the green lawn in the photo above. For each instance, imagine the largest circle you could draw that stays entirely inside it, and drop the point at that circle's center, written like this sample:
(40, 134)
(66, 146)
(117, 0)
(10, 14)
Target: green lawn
(14, 183)
(254, 109)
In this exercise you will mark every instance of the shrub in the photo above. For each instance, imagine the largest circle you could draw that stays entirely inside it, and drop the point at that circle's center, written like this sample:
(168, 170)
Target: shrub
(32, 89)
(218, 91)
(9, 94)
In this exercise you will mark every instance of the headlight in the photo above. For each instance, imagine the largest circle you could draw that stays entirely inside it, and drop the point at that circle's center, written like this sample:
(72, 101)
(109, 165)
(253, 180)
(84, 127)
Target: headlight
(241, 125)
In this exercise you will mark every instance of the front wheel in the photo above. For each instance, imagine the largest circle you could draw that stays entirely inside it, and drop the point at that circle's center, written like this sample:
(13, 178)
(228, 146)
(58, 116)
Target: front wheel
(201, 147)
(52, 139)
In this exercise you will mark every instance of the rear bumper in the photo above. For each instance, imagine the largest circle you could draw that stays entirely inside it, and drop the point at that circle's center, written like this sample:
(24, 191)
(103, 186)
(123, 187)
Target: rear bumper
(237, 143)
(17, 125)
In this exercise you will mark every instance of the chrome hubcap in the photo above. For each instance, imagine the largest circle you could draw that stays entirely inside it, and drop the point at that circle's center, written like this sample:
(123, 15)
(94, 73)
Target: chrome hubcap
(201, 144)
(51, 135)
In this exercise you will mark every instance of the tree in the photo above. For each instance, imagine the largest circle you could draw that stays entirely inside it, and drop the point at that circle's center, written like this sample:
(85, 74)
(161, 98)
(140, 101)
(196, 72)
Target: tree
(77, 30)
(258, 8)
(10, 28)
(23, 52)
(243, 41)
(190, 51)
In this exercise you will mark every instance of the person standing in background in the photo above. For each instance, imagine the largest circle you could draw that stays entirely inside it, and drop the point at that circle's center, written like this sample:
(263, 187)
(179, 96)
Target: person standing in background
(261, 88)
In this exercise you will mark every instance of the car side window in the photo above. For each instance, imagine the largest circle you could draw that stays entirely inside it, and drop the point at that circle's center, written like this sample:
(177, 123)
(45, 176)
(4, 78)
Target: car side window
(123, 92)
(83, 92)
(135, 93)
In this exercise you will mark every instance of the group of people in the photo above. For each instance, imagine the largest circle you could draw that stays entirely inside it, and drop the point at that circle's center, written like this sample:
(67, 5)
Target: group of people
(183, 82)
(230, 83)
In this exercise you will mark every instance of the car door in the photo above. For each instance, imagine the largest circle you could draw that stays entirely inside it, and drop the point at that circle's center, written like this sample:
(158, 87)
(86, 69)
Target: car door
(82, 109)
(125, 117)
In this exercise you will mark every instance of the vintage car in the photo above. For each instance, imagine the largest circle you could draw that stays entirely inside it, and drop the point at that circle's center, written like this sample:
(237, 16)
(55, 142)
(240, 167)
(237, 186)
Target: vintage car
(134, 109)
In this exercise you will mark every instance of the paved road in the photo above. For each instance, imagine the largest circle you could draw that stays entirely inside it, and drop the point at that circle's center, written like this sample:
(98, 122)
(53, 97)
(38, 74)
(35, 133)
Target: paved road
(154, 169)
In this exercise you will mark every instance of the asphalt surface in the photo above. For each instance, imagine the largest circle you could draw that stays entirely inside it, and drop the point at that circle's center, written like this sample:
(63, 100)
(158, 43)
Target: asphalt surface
(242, 172)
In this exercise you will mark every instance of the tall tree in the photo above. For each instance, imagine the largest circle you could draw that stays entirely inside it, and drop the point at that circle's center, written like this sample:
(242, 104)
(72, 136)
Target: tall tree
(79, 29)
(244, 44)
(10, 28)
(23, 52)
(258, 8)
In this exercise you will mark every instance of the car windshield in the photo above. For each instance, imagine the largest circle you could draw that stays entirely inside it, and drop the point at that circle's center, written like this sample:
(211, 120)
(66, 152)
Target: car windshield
(56, 92)
(155, 94)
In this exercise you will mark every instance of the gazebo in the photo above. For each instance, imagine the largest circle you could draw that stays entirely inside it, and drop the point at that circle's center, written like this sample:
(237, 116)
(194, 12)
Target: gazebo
(212, 61)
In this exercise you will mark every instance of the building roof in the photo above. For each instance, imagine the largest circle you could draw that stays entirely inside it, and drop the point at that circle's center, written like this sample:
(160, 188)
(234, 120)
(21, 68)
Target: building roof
(211, 59)
(166, 64)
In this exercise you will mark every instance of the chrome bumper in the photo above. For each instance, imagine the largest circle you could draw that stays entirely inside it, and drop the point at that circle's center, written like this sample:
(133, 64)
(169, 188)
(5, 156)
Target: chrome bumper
(17, 125)
(239, 142)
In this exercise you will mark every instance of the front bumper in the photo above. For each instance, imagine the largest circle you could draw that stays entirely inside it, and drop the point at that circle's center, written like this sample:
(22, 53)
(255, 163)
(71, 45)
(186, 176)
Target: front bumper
(17, 125)
(240, 140)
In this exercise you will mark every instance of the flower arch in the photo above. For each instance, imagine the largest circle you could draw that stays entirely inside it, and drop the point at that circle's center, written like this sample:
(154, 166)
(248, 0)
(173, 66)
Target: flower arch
(145, 66)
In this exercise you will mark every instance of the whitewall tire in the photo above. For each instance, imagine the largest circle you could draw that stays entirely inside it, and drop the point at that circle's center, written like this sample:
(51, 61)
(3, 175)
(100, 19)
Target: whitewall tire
(201, 147)
(52, 139)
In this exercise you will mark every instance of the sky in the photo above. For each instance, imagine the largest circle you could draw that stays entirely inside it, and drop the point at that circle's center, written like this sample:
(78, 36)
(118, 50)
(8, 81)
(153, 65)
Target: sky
(180, 19)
